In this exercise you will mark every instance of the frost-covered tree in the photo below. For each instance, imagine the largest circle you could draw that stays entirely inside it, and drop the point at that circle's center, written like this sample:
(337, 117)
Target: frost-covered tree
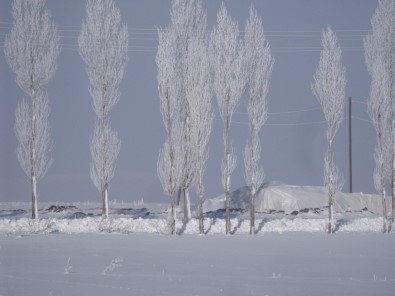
(199, 96)
(103, 45)
(379, 109)
(379, 49)
(31, 50)
(169, 170)
(329, 88)
(227, 62)
(188, 24)
(104, 147)
(258, 69)
(170, 157)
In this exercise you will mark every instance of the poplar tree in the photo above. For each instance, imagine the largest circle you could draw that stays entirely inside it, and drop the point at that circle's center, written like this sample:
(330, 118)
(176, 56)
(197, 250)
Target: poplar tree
(188, 23)
(329, 88)
(379, 110)
(199, 96)
(103, 45)
(227, 63)
(258, 69)
(170, 159)
(32, 49)
(379, 55)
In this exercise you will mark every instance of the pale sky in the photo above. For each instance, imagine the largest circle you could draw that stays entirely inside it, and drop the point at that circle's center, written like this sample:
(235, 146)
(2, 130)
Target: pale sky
(293, 140)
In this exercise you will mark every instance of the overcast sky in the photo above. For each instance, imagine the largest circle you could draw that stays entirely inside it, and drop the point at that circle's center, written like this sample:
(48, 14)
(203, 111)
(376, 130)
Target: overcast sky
(293, 140)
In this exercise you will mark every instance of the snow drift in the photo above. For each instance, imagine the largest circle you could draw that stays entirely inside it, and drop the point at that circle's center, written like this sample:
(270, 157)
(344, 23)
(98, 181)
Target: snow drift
(288, 198)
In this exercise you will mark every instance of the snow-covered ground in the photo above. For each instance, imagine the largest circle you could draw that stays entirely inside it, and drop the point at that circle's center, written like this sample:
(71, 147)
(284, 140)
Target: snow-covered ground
(71, 250)
(146, 264)
(85, 218)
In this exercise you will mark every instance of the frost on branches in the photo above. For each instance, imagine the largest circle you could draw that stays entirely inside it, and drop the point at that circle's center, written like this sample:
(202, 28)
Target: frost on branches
(199, 97)
(170, 157)
(380, 61)
(329, 88)
(379, 107)
(31, 50)
(185, 93)
(258, 69)
(188, 26)
(103, 45)
(227, 62)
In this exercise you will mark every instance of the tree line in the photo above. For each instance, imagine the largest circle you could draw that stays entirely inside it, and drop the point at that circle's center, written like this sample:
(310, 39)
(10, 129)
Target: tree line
(194, 65)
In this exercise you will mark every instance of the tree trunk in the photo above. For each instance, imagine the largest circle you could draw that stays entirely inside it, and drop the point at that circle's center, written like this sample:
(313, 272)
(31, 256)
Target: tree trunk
(331, 186)
(227, 174)
(227, 206)
(383, 198)
(201, 214)
(227, 194)
(34, 198)
(200, 198)
(393, 170)
(330, 209)
(252, 211)
(105, 203)
(173, 219)
(187, 205)
(177, 202)
(33, 157)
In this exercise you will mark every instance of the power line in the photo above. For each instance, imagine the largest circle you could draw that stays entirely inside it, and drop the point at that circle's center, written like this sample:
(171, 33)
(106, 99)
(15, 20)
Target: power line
(361, 119)
(359, 102)
(282, 112)
(279, 124)
(307, 123)
(296, 124)
(149, 35)
(294, 111)
(268, 33)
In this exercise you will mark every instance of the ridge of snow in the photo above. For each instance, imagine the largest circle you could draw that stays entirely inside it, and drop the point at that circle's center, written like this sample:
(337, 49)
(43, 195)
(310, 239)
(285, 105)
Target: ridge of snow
(289, 198)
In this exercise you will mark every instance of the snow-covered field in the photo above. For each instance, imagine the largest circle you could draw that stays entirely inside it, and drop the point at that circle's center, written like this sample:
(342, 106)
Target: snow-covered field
(147, 264)
(70, 250)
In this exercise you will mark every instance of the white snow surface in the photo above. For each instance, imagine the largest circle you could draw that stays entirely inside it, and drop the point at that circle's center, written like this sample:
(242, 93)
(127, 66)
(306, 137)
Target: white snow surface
(296, 264)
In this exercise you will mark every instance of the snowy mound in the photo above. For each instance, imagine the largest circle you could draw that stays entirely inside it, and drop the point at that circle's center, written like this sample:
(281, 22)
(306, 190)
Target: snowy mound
(288, 198)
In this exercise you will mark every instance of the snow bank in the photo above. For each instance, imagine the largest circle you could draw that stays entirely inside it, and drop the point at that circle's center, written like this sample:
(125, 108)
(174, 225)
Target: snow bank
(27, 226)
(288, 198)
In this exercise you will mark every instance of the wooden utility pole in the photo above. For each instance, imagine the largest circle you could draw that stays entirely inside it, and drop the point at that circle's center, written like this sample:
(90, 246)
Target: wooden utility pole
(350, 143)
